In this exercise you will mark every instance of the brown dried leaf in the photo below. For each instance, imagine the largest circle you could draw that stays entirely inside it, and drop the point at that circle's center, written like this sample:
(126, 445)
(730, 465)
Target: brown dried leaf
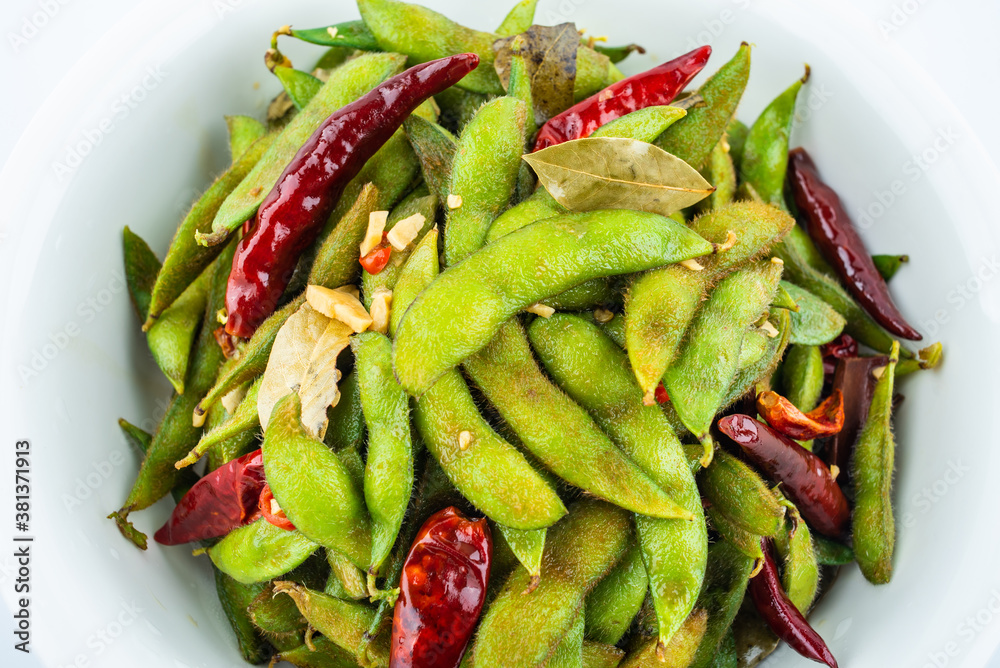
(550, 58)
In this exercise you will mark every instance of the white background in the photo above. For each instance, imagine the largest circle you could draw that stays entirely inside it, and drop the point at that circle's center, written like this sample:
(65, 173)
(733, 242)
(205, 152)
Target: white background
(954, 42)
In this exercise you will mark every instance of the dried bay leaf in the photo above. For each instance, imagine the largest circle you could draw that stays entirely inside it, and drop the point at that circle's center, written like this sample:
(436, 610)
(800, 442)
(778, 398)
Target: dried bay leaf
(319, 384)
(550, 58)
(614, 173)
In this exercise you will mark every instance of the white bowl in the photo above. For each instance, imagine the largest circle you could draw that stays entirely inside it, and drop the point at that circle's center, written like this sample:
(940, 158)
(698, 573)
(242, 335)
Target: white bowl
(73, 360)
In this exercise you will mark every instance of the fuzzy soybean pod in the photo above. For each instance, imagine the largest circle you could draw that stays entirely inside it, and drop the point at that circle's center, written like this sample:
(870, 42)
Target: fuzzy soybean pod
(172, 335)
(260, 551)
(298, 85)
(720, 172)
(141, 267)
(528, 545)
(336, 264)
(243, 132)
(599, 655)
(678, 653)
(874, 528)
(736, 137)
(389, 464)
(708, 360)
(347, 420)
(483, 174)
(615, 602)
(592, 369)
(313, 487)
(345, 580)
(740, 495)
(569, 651)
(722, 595)
(747, 378)
(435, 149)
(519, 19)
(694, 137)
(235, 597)
(421, 203)
(420, 269)
(802, 376)
(816, 323)
(462, 310)
(524, 629)
(800, 575)
(558, 431)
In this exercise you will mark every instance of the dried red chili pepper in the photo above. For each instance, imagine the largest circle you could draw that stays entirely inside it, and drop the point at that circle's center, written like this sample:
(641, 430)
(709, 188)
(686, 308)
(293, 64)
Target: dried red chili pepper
(294, 212)
(441, 591)
(781, 615)
(854, 379)
(826, 419)
(661, 394)
(831, 228)
(377, 258)
(803, 476)
(841, 347)
(657, 86)
(223, 500)
(266, 505)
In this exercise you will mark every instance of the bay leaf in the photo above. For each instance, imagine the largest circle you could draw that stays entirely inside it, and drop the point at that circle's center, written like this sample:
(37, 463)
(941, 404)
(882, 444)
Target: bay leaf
(614, 173)
(549, 54)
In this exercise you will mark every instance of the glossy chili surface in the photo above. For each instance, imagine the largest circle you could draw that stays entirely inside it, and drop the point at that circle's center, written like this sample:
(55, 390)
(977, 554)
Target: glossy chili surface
(294, 212)
(657, 86)
(855, 379)
(782, 415)
(831, 229)
(804, 477)
(441, 591)
(781, 615)
(221, 501)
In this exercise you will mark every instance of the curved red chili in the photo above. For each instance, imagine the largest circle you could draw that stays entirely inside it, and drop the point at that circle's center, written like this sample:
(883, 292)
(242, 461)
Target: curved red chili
(377, 258)
(804, 477)
(659, 85)
(831, 228)
(273, 514)
(294, 212)
(441, 592)
(221, 501)
(841, 347)
(781, 615)
(782, 415)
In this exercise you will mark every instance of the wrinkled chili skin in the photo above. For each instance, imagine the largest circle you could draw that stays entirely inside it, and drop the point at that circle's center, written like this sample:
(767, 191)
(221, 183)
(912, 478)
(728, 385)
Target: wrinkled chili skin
(294, 212)
(783, 416)
(223, 500)
(441, 591)
(804, 477)
(855, 380)
(840, 348)
(781, 615)
(834, 234)
(654, 87)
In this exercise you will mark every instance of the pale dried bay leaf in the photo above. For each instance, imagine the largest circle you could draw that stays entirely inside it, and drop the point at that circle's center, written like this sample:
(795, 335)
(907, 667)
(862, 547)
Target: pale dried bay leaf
(614, 173)
(319, 384)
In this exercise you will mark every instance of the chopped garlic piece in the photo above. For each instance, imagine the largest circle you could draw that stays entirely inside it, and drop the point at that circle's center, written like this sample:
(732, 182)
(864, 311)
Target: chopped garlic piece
(693, 265)
(339, 306)
(275, 508)
(405, 231)
(769, 329)
(376, 226)
(603, 315)
(777, 260)
(541, 309)
(350, 290)
(878, 371)
(381, 305)
(834, 471)
(332, 32)
(464, 439)
(454, 201)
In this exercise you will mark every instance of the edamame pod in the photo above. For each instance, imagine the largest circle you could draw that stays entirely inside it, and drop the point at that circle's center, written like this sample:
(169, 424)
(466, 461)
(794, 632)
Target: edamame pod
(483, 174)
(389, 464)
(599, 655)
(243, 132)
(744, 541)
(719, 171)
(436, 334)
(584, 296)
(313, 487)
(300, 86)
(593, 370)
(678, 653)
(725, 586)
(420, 269)
(173, 333)
(615, 602)
(235, 598)
(802, 376)
(519, 19)
(815, 323)
(569, 651)
(736, 137)
(347, 419)
(435, 149)
(739, 494)
(831, 553)
(345, 580)
(260, 551)
(528, 546)
(748, 378)
(241, 427)
(141, 268)
(320, 653)
(753, 348)
(558, 431)
(524, 629)
(800, 576)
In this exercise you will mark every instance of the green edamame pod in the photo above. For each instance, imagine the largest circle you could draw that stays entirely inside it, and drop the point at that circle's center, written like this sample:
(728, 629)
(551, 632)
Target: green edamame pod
(726, 656)
(345, 579)
(569, 651)
(831, 553)
(800, 575)
(243, 132)
(420, 269)
(874, 527)
(313, 487)
(237, 431)
(538, 206)
(615, 602)
(593, 370)
(725, 586)
(141, 268)
(336, 264)
(747, 378)
(739, 494)
(519, 87)
(435, 335)
(422, 204)
(802, 376)
(746, 542)
(528, 546)
(784, 300)
(389, 465)
(235, 598)
(753, 348)
(483, 174)
(708, 360)
(435, 149)
(678, 653)
(331, 59)
(138, 438)
(558, 431)
(736, 137)
(320, 653)
(524, 629)
(694, 137)
(342, 622)
(765, 153)
(300, 86)
(349, 34)
(347, 419)
(260, 551)
(599, 655)
(584, 296)
(518, 19)
(277, 617)
(888, 265)
(816, 322)
(720, 172)
(172, 335)
(345, 85)
(458, 105)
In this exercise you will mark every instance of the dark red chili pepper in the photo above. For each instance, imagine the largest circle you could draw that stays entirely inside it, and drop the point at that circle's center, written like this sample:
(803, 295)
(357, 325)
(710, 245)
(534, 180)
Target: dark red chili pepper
(831, 228)
(782, 415)
(266, 504)
(781, 615)
(377, 258)
(657, 86)
(223, 500)
(855, 380)
(294, 212)
(804, 477)
(841, 347)
(441, 591)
